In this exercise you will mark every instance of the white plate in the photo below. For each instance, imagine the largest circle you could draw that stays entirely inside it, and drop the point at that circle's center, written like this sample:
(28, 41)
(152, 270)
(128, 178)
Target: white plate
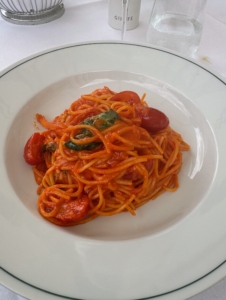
(174, 241)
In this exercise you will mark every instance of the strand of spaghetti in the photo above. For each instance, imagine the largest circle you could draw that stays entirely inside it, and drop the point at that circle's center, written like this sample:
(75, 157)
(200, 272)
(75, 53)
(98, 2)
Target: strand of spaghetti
(57, 191)
(156, 168)
(79, 110)
(40, 188)
(156, 152)
(143, 97)
(46, 182)
(144, 143)
(130, 208)
(123, 165)
(114, 202)
(143, 171)
(105, 96)
(91, 191)
(174, 183)
(124, 182)
(128, 129)
(126, 121)
(132, 153)
(49, 177)
(41, 208)
(161, 140)
(125, 110)
(123, 140)
(50, 170)
(171, 158)
(84, 141)
(69, 178)
(174, 170)
(100, 163)
(87, 156)
(152, 156)
(184, 146)
(55, 206)
(156, 188)
(132, 121)
(116, 104)
(125, 191)
(87, 165)
(49, 125)
(103, 90)
(101, 200)
(38, 179)
(108, 177)
(119, 196)
(161, 151)
(53, 199)
(112, 185)
(104, 107)
(90, 182)
(113, 147)
(93, 98)
(113, 128)
(157, 193)
(37, 172)
(78, 187)
(110, 213)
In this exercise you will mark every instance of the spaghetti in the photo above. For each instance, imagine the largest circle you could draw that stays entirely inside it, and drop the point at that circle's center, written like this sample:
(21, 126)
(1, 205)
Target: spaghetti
(108, 153)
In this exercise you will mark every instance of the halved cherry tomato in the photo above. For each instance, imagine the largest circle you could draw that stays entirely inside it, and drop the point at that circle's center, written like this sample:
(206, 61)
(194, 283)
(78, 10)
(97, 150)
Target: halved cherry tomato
(127, 96)
(73, 211)
(153, 120)
(33, 154)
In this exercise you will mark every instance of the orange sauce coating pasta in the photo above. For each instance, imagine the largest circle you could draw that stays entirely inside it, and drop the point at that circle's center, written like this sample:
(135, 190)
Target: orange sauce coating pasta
(128, 167)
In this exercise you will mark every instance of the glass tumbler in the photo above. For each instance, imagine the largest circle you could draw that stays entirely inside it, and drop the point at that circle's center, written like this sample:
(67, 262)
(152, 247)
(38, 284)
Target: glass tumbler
(177, 24)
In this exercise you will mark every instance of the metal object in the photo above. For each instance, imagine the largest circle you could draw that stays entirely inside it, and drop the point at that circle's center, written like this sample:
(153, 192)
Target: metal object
(31, 12)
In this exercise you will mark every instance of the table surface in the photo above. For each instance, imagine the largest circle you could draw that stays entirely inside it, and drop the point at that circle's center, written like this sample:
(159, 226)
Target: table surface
(87, 20)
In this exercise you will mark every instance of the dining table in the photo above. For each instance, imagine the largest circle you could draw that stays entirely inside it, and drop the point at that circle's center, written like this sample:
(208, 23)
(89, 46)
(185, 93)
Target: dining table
(87, 21)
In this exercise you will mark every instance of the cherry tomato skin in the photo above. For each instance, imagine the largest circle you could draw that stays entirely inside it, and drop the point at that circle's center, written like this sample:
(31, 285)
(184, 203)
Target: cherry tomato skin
(73, 211)
(127, 96)
(33, 154)
(153, 120)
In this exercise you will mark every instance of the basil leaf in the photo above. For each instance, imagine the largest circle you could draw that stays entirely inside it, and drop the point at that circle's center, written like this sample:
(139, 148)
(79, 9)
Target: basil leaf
(78, 147)
(100, 122)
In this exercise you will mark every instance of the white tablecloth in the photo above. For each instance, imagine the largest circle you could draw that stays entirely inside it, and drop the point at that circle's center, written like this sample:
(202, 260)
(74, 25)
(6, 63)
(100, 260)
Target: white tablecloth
(87, 20)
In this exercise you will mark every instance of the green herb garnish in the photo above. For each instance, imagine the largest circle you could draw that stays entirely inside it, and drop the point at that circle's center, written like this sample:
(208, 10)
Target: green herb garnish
(100, 122)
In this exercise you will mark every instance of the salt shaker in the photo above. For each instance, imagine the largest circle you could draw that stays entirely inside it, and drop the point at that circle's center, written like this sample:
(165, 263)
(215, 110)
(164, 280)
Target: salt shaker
(115, 14)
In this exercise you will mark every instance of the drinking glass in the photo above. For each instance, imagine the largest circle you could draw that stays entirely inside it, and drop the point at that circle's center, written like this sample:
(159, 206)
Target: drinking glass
(177, 24)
